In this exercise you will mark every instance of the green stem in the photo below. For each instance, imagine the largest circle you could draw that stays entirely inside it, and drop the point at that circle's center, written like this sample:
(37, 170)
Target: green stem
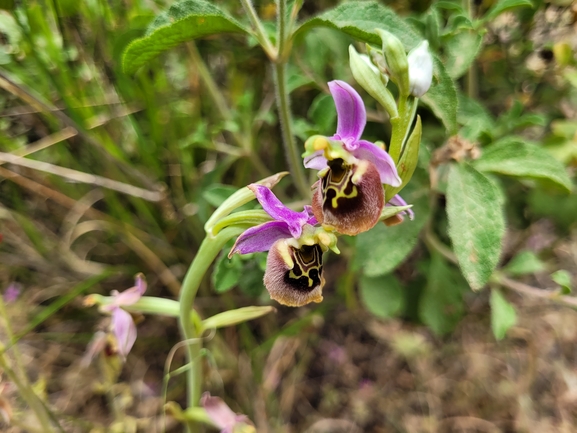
(259, 29)
(285, 117)
(281, 27)
(206, 254)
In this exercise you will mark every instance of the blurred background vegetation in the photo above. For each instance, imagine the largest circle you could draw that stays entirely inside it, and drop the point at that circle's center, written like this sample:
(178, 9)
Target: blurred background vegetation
(127, 168)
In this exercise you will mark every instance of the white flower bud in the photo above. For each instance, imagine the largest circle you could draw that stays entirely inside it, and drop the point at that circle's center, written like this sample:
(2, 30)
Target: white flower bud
(420, 69)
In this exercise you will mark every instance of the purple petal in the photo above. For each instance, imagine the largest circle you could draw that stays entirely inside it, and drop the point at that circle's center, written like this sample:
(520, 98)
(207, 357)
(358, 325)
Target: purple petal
(218, 411)
(312, 220)
(124, 330)
(316, 161)
(398, 201)
(274, 207)
(381, 159)
(128, 297)
(260, 238)
(351, 114)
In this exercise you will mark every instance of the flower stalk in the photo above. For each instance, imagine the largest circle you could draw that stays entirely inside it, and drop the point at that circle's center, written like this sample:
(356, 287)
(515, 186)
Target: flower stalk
(208, 251)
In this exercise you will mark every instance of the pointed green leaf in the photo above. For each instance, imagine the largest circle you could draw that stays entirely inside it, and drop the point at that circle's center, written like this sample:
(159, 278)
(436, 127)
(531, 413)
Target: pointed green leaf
(441, 305)
(183, 21)
(526, 262)
(234, 317)
(382, 296)
(514, 157)
(563, 278)
(476, 222)
(505, 5)
(503, 314)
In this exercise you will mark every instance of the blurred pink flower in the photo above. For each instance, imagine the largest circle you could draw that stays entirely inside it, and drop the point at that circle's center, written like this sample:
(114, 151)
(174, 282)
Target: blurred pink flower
(223, 417)
(122, 325)
(12, 292)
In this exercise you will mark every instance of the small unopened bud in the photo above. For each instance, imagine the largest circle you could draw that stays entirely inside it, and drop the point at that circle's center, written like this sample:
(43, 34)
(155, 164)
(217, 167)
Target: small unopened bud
(396, 59)
(378, 59)
(369, 77)
(420, 69)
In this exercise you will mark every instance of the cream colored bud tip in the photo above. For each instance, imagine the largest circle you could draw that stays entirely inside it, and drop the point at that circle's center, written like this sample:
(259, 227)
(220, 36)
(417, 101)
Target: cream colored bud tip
(89, 301)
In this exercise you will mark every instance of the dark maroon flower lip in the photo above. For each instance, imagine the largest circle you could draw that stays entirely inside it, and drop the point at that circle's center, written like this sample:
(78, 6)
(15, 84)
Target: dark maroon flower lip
(349, 198)
(294, 276)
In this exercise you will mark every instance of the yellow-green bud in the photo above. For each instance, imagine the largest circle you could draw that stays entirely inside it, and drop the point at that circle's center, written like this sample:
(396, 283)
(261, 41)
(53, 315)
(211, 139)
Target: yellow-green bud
(396, 58)
(369, 77)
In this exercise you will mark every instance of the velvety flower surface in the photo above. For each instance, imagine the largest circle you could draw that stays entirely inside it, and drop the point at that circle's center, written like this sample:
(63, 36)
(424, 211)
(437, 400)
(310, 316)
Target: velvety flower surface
(122, 325)
(349, 196)
(294, 271)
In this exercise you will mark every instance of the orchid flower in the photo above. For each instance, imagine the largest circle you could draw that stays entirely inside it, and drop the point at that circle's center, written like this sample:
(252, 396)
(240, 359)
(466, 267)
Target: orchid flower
(349, 197)
(223, 417)
(122, 324)
(294, 269)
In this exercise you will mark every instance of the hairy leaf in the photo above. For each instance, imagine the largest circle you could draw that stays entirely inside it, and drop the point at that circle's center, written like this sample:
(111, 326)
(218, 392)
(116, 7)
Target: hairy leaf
(183, 21)
(461, 50)
(476, 222)
(515, 157)
(360, 19)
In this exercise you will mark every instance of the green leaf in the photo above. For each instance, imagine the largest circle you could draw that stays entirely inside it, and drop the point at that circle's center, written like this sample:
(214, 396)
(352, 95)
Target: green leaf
(442, 97)
(441, 304)
(323, 113)
(474, 117)
(360, 19)
(182, 22)
(526, 262)
(461, 50)
(226, 273)
(503, 314)
(383, 296)
(375, 253)
(476, 222)
(505, 5)
(515, 157)
(563, 278)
